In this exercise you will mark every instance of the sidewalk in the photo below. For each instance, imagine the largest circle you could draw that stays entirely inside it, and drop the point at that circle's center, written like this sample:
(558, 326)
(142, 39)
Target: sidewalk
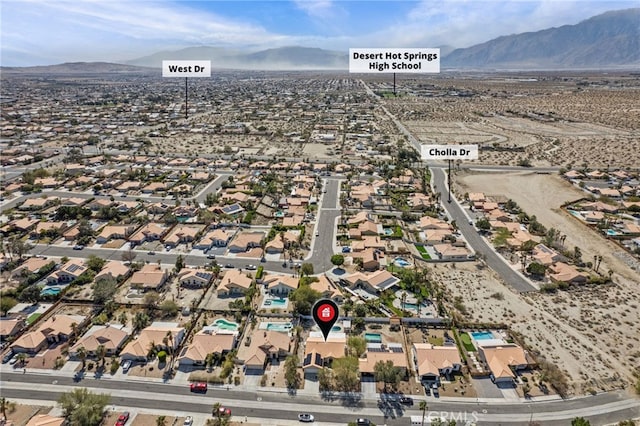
(311, 393)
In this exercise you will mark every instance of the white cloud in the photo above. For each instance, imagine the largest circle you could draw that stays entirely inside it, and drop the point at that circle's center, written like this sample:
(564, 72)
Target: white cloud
(315, 8)
(89, 30)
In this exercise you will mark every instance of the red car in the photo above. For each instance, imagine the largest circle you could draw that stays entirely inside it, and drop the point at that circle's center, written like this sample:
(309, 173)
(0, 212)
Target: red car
(122, 419)
(198, 387)
(224, 412)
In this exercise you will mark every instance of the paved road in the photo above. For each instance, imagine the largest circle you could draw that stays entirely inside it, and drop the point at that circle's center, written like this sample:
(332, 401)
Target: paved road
(322, 248)
(493, 259)
(321, 251)
(602, 408)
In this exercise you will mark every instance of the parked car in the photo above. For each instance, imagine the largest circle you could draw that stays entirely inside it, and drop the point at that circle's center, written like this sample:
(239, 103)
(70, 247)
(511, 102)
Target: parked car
(406, 400)
(78, 247)
(306, 418)
(7, 357)
(224, 412)
(126, 366)
(211, 256)
(152, 253)
(188, 421)
(122, 419)
(228, 265)
(198, 387)
(251, 267)
(363, 422)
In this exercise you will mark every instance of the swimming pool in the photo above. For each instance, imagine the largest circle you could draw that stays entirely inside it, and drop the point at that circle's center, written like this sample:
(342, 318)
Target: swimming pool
(482, 335)
(224, 324)
(373, 337)
(612, 232)
(279, 326)
(398, 261)
(50, 291)
(387, 231)
(576, 214)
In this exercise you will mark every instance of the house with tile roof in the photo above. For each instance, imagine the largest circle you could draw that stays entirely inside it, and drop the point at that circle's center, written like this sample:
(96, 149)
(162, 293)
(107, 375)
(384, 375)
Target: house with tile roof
(206, 342)
(56, 328)
(153, 337)
(194, 277)
(111, 336)
(319, 353)
(503, 361)
(281, 285)
(373, 283)
(265, 346)
(233, 284)
(431, 361)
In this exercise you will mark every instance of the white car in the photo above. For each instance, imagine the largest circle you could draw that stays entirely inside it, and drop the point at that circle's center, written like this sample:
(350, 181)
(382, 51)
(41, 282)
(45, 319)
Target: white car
(188, 421)
(306, 418)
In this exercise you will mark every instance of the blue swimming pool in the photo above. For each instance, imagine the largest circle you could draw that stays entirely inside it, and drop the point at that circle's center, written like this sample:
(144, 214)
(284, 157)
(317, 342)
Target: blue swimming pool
(50, 291)
(398, 261)
(279, 326)
(482, 335)
(612, 232)
(387, 231)
(373, 337)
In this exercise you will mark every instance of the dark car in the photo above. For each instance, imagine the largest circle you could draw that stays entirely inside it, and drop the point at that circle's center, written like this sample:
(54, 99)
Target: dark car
(406, 400)
(228, 265)
(198, 387)
(7, 357)
(122, 419)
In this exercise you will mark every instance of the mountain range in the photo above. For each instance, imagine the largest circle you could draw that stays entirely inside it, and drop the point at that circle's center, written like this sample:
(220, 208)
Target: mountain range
(609, 40)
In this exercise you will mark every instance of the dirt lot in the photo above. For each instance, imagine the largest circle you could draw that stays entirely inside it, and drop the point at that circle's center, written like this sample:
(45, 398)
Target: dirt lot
(590, 334)
(151, 420)
(542, 196)
(20, 414)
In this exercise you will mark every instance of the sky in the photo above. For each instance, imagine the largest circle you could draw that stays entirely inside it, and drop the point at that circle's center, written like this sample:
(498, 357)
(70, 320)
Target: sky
(43, 32)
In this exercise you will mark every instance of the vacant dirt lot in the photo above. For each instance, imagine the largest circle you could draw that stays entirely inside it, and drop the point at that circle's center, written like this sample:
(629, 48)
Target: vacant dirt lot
(542, 195)
(589, 333)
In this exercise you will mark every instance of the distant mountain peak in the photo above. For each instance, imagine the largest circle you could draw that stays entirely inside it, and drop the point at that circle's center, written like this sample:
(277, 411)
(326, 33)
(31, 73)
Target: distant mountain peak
(608, 40)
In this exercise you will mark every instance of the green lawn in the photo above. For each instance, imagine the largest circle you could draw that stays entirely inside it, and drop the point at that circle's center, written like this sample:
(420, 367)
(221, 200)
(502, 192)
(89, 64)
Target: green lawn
(423, 252)
(33, 317)
(466, 342)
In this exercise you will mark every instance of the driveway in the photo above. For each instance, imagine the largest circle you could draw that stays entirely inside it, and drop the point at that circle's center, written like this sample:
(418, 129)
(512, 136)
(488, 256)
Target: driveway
(485, 388)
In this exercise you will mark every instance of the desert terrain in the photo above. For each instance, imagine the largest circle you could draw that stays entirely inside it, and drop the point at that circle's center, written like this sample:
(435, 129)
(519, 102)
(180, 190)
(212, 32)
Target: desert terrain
(590, 334)
(545, 120)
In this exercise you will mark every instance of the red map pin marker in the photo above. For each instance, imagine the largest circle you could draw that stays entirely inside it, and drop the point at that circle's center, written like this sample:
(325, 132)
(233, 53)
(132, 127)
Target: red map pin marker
(325, 314)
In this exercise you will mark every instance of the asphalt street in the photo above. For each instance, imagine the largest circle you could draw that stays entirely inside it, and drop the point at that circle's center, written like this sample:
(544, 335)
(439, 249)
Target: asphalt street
(479, 245)
(606, 407)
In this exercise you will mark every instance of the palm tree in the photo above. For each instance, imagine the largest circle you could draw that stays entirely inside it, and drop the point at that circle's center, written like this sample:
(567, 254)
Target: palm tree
(101, 353)
(151, 350)
(161, 420)
(423, 406)
(6, 405)
(22, 358)
(216, 410)
(81, 353)
(403, 299)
